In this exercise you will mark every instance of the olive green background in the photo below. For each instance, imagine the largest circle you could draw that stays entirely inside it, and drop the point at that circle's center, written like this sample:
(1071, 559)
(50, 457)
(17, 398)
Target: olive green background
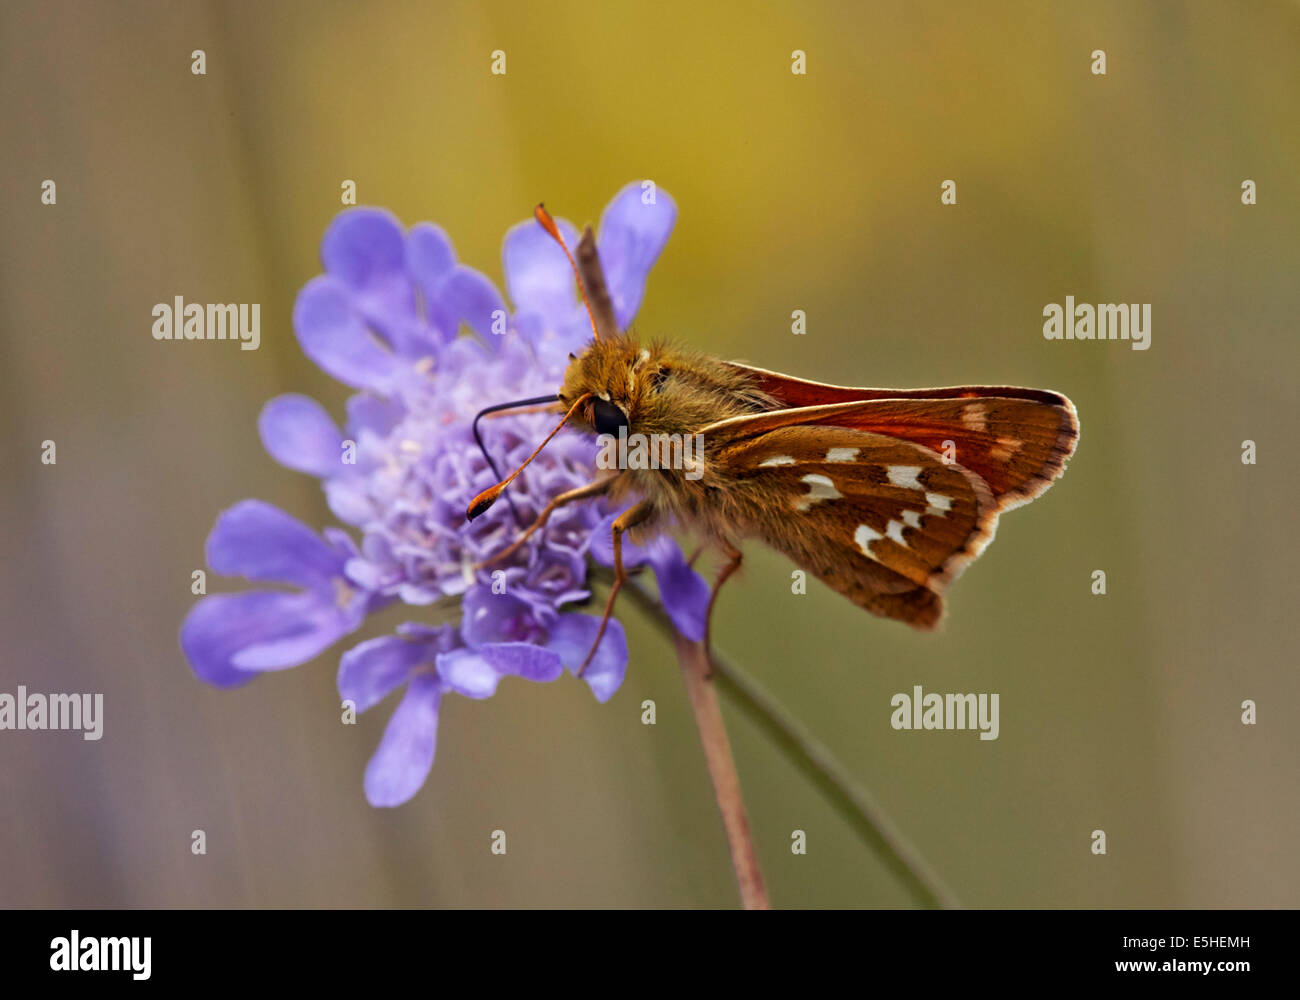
(816, 192)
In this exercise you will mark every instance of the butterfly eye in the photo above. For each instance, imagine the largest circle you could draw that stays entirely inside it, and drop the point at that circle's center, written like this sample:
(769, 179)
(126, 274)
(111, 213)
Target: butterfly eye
(607, 418)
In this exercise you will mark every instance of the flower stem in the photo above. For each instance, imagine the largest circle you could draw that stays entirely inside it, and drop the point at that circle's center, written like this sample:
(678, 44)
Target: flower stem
(815, 759)
(694, 662)
(849, 796)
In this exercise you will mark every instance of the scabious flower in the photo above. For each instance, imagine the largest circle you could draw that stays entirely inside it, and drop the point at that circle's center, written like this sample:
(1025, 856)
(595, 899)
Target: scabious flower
(386, 318)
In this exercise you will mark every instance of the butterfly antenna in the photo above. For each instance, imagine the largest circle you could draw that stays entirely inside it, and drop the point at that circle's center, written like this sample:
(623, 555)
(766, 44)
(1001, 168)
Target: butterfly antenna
(547, 223)
(490, 496)
(517, 404)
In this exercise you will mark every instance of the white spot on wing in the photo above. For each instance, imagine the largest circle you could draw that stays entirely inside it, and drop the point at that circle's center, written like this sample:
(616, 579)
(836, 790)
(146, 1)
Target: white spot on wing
(894, 530)
(819, 488)
(842, 454)
(938, 504)
(905, 476)
(911, 518)
(973, 416)
(1005, 448)
(776, 460)
(864, 536)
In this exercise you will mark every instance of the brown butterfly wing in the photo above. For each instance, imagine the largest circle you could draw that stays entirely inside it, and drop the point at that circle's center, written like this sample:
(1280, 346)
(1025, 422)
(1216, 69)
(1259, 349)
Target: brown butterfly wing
(882, 520)
(1018, 446)
(1016, 440)
(791, 393)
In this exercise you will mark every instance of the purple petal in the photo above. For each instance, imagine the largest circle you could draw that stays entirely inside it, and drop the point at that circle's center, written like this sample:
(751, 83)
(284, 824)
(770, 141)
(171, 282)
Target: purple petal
(405, 754)
(467, 296)
(429, 256)
(363, 247)
(371, 671)
(523, 659)
(553, 343)
(572, 636)
(466, 672)
(349, 500)
(370, 575)
(367, 412)
(259, 541)
(365, 250)
(341, 542)
(475, 673)
(417, 593)
(631, 237)
(682, 591)
(487, 617)
(298, 433)
(409, 336)
(444, 637)
(334, 336)
(228, 638)
(538, 276)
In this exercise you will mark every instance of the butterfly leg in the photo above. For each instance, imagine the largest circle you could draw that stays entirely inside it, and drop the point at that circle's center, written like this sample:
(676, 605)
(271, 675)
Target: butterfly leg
(580, 493)
(734, 556)
(630, 518)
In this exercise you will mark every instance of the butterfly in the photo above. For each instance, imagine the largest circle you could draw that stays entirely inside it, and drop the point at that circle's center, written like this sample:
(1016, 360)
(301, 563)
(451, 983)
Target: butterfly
(885, 495)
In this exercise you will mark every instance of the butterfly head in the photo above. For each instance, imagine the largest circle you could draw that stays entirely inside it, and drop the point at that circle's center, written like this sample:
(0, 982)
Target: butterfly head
(614, 375)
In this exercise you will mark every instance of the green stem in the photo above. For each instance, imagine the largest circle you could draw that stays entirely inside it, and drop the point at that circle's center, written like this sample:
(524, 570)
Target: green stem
(815, 760)
(694, 661)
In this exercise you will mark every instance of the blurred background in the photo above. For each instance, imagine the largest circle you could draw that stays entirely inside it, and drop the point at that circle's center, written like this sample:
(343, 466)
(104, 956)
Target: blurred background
(817, 192)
